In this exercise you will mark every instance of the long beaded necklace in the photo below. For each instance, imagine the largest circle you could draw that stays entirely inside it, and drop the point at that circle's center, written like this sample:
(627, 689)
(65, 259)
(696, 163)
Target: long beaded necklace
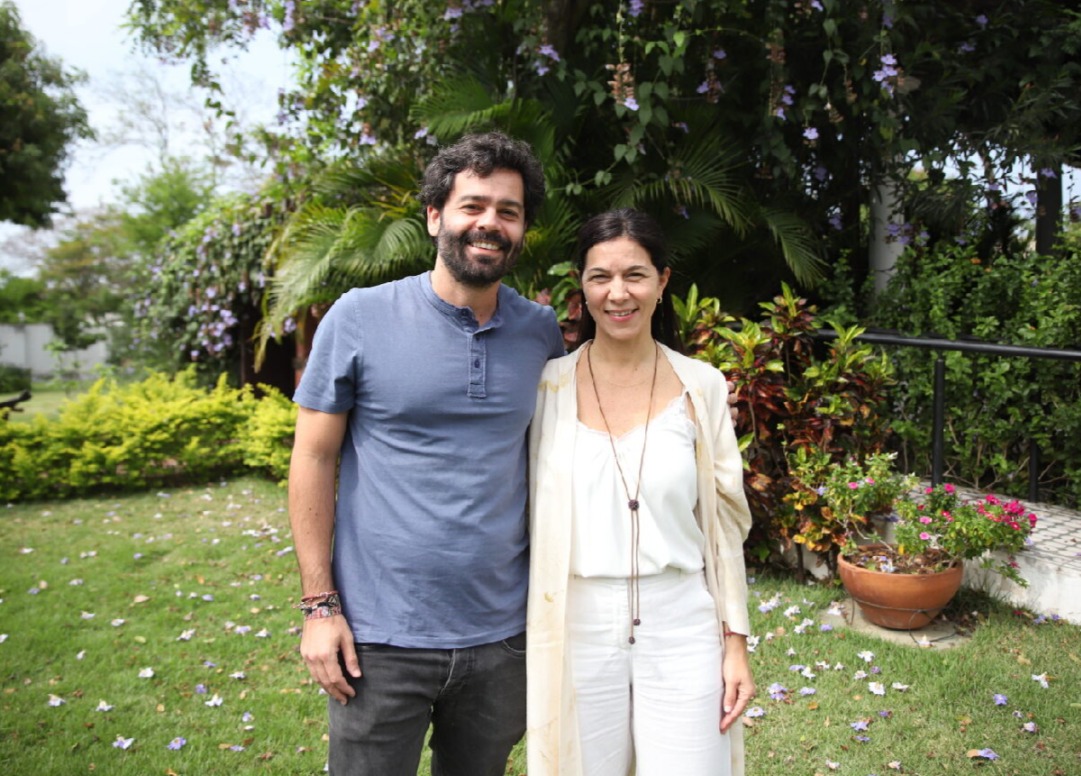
(632, 501)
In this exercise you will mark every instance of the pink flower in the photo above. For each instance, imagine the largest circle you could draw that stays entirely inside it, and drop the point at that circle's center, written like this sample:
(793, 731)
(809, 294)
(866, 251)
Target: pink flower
(925, 520)
(947, 487)
(925, 536)
(853, 485)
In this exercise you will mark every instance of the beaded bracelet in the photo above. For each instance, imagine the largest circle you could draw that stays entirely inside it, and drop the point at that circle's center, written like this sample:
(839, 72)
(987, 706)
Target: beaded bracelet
(316, 607)
(321, 611)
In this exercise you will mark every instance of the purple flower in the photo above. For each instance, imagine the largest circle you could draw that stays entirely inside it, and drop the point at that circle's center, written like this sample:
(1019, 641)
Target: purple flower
(859, 725)
(966, 48)
(720, 54)
(1047, 172)
(177, 743)
(123, 743)
(999, 699)
(636, 7)
(631, 103)
(981, 20)
(755, 711)
(549, 52)
(987, 754)
(810, 133)
(452, 13)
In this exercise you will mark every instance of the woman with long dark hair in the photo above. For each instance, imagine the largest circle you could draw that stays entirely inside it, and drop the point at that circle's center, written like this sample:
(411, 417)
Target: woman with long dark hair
(637, 625)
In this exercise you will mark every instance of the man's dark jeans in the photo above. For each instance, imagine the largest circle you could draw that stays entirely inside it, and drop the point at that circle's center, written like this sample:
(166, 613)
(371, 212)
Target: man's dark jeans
(474, 699)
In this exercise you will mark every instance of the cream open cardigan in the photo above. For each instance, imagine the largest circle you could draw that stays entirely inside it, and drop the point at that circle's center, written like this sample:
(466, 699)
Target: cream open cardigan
(722, 514)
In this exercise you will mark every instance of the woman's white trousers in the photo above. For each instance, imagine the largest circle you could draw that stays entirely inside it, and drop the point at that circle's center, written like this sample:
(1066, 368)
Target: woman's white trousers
(652, 708)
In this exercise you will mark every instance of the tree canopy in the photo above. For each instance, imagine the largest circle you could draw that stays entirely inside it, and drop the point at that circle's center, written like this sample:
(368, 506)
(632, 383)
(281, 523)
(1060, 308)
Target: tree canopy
(40, 120)
(754, 131)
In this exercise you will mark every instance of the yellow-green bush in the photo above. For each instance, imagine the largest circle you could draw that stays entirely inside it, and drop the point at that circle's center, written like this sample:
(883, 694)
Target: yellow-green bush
(268, 435)
(160, 431)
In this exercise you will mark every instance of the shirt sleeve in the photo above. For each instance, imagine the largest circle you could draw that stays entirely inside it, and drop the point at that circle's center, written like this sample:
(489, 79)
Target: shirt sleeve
(331, 376)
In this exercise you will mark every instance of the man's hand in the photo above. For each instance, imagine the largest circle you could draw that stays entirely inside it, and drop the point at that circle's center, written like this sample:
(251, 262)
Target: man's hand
(738, 684)
(322, 640)
(733, 397)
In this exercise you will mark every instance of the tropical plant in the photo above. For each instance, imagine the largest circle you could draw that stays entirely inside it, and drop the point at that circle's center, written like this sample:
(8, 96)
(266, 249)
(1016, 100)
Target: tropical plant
(832, 502)
(799, 401)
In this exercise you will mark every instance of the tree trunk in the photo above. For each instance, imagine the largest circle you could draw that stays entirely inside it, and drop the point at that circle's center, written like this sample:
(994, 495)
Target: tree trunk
(1048, 208)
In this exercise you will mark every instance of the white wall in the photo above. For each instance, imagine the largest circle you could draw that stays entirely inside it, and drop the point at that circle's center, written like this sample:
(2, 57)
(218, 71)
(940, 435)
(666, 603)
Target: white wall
(24, 346)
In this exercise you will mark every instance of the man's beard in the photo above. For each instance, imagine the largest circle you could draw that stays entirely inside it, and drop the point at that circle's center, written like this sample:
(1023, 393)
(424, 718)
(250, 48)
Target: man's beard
(477, 274)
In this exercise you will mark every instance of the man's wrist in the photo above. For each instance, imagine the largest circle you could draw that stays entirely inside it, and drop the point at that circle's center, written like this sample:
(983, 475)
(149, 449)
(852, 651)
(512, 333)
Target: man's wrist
(320, 605)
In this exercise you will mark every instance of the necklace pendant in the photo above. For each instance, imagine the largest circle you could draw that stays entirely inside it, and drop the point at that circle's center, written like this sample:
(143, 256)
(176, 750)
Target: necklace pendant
(633, 504)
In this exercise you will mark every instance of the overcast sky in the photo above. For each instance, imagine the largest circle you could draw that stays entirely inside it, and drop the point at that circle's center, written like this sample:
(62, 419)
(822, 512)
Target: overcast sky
(86, 34)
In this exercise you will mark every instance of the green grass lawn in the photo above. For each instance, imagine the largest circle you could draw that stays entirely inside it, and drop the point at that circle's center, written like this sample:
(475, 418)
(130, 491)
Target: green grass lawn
(155, 634)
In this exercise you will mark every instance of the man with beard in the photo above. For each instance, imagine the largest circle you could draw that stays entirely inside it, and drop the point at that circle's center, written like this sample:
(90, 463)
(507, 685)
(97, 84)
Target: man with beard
(414, 578)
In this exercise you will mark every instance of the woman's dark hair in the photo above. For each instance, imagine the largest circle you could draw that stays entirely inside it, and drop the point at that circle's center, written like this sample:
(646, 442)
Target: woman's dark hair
(641, 228)
(482, 155)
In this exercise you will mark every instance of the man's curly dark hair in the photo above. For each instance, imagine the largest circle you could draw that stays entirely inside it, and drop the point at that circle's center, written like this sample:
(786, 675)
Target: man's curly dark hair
(482, 154)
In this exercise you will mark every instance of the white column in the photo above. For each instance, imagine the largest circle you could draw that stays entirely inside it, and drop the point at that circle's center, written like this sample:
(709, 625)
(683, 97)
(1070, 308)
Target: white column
(884, 248)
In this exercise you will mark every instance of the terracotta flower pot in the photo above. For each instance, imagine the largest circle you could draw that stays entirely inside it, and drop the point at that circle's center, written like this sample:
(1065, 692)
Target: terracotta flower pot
(900, 601)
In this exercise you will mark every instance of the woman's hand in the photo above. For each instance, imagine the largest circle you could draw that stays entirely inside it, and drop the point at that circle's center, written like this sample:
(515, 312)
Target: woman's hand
(738, 684)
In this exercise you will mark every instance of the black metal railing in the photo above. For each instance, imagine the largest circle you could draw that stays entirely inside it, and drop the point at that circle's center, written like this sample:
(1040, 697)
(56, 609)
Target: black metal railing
(971, 346)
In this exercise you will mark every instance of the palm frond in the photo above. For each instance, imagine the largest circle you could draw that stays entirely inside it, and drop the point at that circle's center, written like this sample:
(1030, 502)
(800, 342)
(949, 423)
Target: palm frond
(801, 249)
(703, 175)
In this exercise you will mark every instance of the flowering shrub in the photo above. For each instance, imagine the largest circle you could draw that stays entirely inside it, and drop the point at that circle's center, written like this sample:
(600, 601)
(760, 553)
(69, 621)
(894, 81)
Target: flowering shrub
(940, 520)
(830, 503)
(856, 491)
